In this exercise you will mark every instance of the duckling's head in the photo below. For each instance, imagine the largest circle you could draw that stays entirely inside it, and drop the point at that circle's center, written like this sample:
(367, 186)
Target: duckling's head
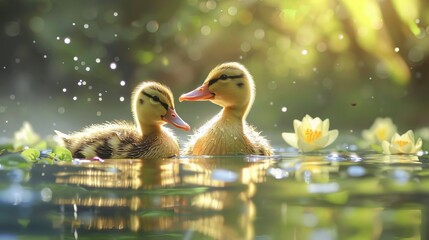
(152, 104)
(229, 85)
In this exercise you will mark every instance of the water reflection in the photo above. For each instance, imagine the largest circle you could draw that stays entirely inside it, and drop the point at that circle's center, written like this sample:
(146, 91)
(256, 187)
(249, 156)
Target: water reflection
(312, 196)
(159, 195)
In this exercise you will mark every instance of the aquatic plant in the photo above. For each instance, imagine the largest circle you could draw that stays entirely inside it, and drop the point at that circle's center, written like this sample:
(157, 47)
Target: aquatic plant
(25, 136)
(402, 144)
(310, 134)
(382, 129)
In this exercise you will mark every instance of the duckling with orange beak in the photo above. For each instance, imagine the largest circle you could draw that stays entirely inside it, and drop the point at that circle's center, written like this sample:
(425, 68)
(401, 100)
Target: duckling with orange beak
(230, 86)
(152, 106)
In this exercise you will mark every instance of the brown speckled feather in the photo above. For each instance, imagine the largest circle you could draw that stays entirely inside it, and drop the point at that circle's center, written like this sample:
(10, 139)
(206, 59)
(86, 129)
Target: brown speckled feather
(120, 140)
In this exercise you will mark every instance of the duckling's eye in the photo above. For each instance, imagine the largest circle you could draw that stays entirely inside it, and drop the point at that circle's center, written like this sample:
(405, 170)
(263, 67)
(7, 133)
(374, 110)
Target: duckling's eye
(223, 77)
(141, 101)
(156, 98)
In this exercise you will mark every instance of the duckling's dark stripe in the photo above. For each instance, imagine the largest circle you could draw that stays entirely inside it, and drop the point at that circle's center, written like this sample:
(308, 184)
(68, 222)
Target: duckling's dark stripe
(138, 151)
(104, 150)
(78, 154)
(224, 77)
(162, 91)
(156, 99)
(142, 148)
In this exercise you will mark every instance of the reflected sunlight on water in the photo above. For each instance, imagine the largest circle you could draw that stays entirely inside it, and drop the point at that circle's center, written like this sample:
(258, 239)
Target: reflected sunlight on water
(290, 196)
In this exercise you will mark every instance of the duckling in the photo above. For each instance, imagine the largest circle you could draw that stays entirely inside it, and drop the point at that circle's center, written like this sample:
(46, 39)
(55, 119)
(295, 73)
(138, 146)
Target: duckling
(230, 86)
(152, 106)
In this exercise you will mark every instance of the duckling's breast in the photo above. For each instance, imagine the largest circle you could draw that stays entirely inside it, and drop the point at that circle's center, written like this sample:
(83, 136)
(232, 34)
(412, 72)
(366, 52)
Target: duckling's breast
(222, 138)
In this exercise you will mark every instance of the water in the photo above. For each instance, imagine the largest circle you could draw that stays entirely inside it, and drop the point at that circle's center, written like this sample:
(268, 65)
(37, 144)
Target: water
(290, 196)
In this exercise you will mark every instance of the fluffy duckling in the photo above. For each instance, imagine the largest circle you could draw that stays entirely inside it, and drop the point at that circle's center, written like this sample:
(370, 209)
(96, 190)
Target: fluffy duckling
(152, 106)
(230, 86)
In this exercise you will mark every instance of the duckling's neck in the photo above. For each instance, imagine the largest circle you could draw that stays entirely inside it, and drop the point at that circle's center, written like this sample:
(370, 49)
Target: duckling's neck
(150, 129)
(233, 114)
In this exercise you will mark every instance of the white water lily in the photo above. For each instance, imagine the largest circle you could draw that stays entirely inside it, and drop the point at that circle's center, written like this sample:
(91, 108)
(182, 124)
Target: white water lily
(382, 129)
(310, 134)
(25, 136)
(402, 144)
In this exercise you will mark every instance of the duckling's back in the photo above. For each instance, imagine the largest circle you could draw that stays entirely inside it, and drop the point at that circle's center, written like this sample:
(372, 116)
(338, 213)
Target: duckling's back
(120, 140)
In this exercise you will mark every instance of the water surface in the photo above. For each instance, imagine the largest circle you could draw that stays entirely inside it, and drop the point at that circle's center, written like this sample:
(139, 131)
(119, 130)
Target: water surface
(290, 196)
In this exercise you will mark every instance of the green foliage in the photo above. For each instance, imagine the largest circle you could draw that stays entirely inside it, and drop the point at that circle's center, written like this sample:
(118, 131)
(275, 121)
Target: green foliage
(31, 154)
(58, 154)
(13, 161)
(61, 153)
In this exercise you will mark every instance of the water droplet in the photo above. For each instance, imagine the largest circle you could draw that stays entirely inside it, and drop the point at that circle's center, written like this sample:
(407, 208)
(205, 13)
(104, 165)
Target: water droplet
(245, 47)
(271, 103)
(205, 30)
(74, 98)
(98, 113)
(152, 26)
(97, 60)
(12, 97)
(100, 99)
(304, 52)
(211, 5)
(88, 69)
(64, 89)
(122, 83)
(67, 40)
(224, 175)
(46, 194)
(112, 65)
(75, 58)
(83, 63)
(115, 14)
(58, 38)
(356, 171)
(121, 99)
(232, 11)
(45, 56)
(100, 94)
(396, 49)
(61, 110)
(284, 109)
(86, 26)
(73, 24)
(259, 33)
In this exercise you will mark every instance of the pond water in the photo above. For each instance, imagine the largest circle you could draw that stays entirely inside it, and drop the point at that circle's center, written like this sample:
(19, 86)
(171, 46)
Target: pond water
(346, 195)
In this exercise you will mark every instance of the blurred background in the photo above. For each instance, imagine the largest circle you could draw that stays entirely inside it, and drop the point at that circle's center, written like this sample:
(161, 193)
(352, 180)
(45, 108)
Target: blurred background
(67, 64)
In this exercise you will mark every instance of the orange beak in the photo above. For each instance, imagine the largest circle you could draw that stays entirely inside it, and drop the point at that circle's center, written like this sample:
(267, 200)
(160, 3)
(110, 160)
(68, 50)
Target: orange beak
(202, 93)
(174, 119)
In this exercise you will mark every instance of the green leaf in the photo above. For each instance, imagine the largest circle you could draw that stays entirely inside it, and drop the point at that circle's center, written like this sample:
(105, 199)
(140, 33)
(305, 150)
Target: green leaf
(31, 154)
(156, 213)
(23, 222)
(13, 161)
(62, 153)
(41, 145)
